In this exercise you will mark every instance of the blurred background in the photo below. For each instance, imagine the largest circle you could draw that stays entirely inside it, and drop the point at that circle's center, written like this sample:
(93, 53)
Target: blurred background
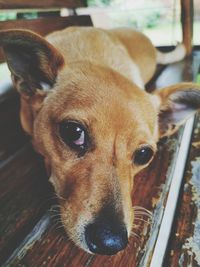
(158, 19)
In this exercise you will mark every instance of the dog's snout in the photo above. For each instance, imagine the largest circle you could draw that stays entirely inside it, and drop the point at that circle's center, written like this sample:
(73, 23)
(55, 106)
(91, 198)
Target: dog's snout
(103, 237)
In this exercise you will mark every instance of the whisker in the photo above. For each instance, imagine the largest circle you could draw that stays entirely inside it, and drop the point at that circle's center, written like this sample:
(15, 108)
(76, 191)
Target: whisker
(139, 215)
(55, 206)
(55, 218)
(59, 227)
(139, 208)
(59, 197)
(134, 234)
(142, 220)
(136, 237)
(55, 211)
(143, 212)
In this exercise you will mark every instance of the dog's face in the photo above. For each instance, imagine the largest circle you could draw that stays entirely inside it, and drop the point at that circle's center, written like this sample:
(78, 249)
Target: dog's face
(95, 135)
(96, 130)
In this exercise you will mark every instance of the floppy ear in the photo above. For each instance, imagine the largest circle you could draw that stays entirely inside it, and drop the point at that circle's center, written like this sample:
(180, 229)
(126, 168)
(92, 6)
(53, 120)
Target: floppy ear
(176, 104)
(33, 62)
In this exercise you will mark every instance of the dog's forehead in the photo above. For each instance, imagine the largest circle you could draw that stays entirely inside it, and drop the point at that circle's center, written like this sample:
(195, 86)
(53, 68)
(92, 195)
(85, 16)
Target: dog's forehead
(96, 93)
(86, 83)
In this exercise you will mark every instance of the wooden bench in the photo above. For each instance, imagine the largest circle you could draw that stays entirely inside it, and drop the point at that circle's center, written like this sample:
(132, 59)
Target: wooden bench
(30, 232)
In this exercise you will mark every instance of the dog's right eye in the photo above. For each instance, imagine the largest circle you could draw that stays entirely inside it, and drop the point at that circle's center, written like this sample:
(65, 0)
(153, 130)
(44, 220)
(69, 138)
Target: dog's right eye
(74, 135)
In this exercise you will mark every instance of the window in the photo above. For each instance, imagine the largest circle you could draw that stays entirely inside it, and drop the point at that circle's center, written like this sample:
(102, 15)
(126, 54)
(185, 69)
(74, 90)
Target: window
(159, 19)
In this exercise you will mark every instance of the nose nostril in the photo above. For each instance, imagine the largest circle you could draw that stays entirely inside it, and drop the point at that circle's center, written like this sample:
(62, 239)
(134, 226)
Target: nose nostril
(102, 239)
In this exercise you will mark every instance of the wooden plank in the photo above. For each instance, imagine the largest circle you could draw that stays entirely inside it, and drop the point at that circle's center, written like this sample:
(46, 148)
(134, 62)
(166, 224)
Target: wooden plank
(183, 249)
(44, 26)
(24, 195)
(12, 135)
(182, 71)
(172, 198)
(14, 4)
(21, 172)
(187, 15)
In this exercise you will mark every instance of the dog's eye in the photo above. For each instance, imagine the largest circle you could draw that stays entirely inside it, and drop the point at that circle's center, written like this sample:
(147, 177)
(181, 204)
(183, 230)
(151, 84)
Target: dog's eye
(74, 135)
(143, 155)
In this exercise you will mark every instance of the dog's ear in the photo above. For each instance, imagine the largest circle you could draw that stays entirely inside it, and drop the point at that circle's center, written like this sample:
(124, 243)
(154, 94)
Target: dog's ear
(176, 104)
(31, 60)
(33, 63)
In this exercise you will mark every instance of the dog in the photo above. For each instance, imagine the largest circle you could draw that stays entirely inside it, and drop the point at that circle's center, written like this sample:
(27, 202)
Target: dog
(84, 105)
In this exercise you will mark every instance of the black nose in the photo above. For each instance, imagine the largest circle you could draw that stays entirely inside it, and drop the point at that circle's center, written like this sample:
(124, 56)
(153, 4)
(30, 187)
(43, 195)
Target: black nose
(106, 237)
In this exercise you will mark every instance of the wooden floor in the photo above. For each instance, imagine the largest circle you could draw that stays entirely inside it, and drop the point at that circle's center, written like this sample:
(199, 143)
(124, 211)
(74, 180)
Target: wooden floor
(30, 234)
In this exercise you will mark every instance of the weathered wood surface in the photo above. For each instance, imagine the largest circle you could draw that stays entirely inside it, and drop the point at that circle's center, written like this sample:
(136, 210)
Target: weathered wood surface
(12, 137)
(21, 173)
(16, 4)
(45, 25)
(184, 246)
(31, 236)
(23, 198)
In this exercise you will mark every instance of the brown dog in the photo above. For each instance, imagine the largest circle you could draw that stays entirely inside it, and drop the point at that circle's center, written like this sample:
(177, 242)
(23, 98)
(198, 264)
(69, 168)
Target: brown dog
(95, 126)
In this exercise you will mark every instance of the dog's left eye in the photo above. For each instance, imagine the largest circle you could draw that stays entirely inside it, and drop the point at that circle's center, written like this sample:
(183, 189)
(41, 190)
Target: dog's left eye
(143, 155)
(74, 135)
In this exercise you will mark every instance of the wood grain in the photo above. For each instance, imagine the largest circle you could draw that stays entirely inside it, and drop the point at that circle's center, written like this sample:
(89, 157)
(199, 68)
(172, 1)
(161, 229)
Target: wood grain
(23, 198)
(16, 4)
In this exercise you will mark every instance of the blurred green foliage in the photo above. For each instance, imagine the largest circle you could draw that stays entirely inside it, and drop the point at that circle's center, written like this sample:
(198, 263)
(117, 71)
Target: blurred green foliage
(7, 16)
(13, 15)
(98, 2)
(148, 18)
(146, 15)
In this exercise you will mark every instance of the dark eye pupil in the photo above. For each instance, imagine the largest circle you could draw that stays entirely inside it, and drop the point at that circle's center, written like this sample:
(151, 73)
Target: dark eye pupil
(74, 135)
(143, 155)
(73, 132)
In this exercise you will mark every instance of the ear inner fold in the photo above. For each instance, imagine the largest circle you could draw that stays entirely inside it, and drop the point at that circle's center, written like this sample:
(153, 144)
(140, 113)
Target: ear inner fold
(31, 59)
(178, 103)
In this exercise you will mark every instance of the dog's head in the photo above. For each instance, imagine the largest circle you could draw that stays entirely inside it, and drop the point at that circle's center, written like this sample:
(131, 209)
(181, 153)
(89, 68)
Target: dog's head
(96, 130)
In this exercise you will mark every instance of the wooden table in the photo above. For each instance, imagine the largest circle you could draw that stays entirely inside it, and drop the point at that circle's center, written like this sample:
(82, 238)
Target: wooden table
(31, 236)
